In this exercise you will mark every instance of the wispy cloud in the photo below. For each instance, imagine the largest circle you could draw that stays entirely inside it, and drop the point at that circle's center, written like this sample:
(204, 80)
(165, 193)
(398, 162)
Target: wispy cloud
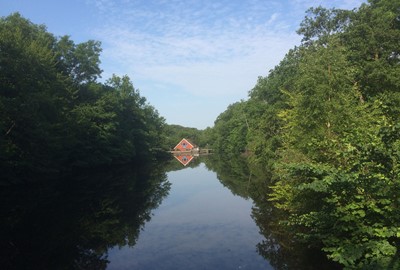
(220, 40)
(206, 49)
(342, 4)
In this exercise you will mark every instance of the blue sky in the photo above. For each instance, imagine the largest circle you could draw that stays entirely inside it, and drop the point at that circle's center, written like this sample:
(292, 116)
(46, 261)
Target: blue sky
(189, 58)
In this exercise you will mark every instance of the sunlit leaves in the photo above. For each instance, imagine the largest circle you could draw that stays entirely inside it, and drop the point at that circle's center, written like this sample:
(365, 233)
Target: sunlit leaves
(337, 171)
(321, 23)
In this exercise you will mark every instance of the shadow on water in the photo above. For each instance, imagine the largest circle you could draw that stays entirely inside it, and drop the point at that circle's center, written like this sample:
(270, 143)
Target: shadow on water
(280, 247)
(70, 223)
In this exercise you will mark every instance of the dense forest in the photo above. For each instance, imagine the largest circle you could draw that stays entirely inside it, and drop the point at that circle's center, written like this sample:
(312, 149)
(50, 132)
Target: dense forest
(55, 115)
(325, 125)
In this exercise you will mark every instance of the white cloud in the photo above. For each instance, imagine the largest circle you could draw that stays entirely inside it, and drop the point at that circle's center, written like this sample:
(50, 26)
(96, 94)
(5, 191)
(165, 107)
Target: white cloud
(204, 58)
(342, 4)
(273, 18)
(207, 49)
(233, 75)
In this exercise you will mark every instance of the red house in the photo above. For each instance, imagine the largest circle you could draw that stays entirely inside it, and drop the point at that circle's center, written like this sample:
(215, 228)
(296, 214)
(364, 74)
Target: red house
(185, 145)
(184, 159)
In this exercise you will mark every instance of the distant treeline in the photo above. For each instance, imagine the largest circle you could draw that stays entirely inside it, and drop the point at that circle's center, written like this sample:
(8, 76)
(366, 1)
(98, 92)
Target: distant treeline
(325, 124)
(54, 115)
(175, 133)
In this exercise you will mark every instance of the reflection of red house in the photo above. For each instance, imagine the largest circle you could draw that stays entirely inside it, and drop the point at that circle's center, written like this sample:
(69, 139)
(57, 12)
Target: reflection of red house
(184, 159)
(185, 145)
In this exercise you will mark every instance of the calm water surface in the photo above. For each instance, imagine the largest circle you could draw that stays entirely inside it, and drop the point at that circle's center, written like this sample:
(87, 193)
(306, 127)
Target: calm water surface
(199, 225)
(159, 216)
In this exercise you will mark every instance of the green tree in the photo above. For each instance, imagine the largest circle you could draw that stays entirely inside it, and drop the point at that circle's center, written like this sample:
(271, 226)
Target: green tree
(231, 129)
(54, 115)
(266, 100)
(79, 61)
(325, 125)
(140, 126)
(321, 23)
(173, 134)
(338, 167)
(32, 93)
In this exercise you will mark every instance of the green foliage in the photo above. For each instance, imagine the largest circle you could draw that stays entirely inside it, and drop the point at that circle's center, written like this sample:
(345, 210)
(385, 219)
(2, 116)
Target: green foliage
(31, 94)
(173, 134)
(337, 170)
(231, 129)
(326, 122)
(321, 23)
(80, 62)
(267, 99)
(373, 37)
(55, 115)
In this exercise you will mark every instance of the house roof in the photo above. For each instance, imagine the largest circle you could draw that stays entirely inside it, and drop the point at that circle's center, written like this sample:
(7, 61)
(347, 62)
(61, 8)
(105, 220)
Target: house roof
(188, 141)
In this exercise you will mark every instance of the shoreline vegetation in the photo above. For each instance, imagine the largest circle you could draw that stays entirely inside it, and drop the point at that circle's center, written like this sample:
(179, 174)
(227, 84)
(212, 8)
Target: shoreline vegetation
(56, 116)
(323, 126)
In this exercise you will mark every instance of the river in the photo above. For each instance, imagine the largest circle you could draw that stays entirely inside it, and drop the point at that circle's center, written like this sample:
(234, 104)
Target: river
(210, 213)
(199, 225)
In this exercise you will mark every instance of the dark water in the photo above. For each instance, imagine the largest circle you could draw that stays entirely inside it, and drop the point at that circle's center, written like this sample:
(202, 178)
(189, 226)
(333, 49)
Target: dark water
(200, 225)
(70, 223)
(211, 214)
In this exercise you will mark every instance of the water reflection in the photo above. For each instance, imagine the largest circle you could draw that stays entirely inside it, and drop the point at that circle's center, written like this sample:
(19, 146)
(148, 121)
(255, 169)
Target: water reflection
(92, 220)
(70, 223)
(184, 159)
(279, 247)
(200, 225)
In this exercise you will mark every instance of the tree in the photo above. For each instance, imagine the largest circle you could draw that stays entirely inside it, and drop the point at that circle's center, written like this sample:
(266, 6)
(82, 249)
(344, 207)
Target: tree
(80, 62)
(325, 123)
(55, 116)
(231, 129)
(321, 23)
(32, 93)
(337, 167)
(266, 100)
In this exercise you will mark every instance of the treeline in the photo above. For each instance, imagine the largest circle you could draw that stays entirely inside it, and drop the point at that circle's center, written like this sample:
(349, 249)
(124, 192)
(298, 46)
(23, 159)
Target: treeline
(175, 133)
(55, 115)
(325, 124)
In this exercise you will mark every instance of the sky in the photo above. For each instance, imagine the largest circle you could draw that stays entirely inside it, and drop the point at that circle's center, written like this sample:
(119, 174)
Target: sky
(189, 58)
